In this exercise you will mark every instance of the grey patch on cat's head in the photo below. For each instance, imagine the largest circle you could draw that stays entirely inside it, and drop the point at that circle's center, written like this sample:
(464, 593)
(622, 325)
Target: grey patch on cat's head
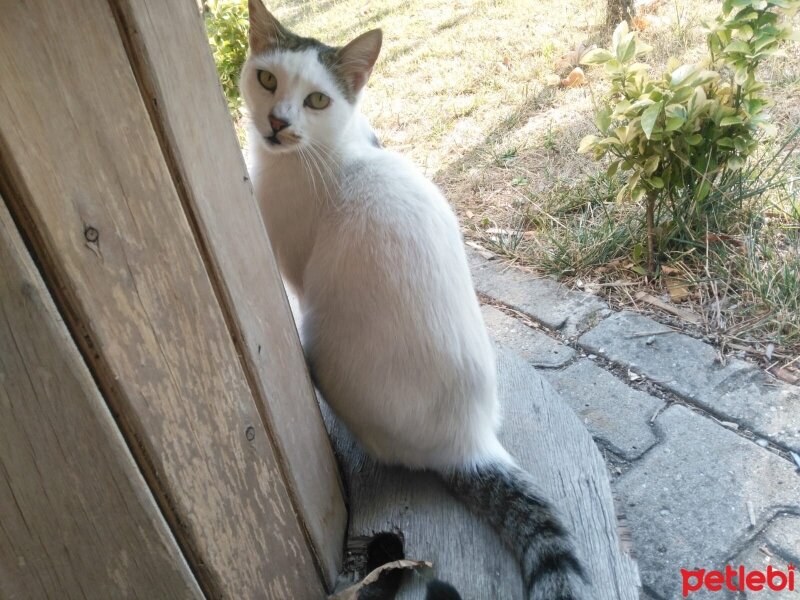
(329, 58)
(267, 34)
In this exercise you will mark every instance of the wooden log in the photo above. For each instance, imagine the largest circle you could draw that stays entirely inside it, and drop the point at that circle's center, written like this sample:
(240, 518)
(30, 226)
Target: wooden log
(551, 443)
(85, 178)
(168, 48)
(76, 517)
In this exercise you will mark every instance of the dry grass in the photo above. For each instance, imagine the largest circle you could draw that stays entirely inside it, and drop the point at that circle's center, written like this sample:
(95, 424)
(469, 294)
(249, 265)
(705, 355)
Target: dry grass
(465, 89)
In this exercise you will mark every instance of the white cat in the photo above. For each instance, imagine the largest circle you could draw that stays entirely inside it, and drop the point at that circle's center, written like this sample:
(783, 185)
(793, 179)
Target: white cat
(391, 326)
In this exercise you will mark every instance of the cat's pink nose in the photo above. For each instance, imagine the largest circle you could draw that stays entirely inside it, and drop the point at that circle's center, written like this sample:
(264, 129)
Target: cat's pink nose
(277, 124)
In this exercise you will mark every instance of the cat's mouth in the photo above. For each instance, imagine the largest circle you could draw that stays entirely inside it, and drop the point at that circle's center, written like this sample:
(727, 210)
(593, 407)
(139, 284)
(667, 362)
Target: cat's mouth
(284, 141)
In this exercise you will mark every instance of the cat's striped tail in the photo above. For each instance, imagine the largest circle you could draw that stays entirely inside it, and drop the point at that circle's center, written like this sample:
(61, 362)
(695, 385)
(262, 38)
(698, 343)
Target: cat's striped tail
(509, 499)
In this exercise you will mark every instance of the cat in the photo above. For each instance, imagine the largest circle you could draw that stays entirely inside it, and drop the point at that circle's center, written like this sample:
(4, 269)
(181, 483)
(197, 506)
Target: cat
(391, 326)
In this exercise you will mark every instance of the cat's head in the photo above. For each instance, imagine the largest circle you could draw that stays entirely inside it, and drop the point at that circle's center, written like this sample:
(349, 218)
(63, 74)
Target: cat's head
(299, 91)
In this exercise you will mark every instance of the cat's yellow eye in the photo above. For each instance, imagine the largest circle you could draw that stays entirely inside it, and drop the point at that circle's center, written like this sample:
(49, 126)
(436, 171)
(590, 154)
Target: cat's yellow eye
(317, 101)
(267, 80)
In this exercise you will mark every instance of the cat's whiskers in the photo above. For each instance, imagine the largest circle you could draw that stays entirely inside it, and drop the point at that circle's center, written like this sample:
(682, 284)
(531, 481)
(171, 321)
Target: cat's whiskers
(327, 177)
(330, 163)
(305, 161)
(327, 158)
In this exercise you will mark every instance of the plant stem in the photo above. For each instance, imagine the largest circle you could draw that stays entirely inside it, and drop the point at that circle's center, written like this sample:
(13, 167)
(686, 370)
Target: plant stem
(651, 203)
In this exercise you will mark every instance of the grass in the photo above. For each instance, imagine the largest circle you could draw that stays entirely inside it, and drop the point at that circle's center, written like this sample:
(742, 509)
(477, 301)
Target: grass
(469, 91)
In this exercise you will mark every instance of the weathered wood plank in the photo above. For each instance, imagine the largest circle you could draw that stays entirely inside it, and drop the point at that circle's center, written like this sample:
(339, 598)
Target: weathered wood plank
(552, 444)
(91, 190)
(76, 517)
(179, 81)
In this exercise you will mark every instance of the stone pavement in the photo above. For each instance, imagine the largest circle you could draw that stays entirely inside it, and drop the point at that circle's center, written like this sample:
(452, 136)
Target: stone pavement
(699, 447)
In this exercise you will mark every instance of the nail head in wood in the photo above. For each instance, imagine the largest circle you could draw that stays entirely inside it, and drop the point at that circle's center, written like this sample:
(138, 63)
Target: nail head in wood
(91, 234)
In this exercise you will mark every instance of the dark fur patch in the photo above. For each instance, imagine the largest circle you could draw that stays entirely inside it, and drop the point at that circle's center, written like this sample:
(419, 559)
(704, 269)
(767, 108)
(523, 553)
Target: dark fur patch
(326, 55)
(441, 590)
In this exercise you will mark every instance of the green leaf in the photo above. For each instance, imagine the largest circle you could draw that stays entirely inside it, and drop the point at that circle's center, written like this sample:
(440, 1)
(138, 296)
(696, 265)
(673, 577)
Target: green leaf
(681, 74)
(702, 78)
(651, 164)
(655, 182)
(620, 31)
(642, 103)
(702, 190)
(740, 75)
(597, 56)
(683, 94)
(738, 46)
(694, 139)
(735, 162)
(696, 103)
(626, 49)
(621, 107)
(612, 168)
(734, 120)
(587, 143)
(674, 123)
(603, 119)
(649, 118)
(622, 134)
(746, 14)
(676, 110)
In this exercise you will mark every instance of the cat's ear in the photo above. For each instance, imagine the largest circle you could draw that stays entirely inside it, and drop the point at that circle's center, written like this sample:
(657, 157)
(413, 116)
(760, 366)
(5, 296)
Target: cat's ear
(265, 30)
(358, 57)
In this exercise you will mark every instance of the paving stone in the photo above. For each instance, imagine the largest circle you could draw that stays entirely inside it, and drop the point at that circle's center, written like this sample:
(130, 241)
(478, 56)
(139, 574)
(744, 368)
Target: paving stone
(687, 498)
(537, 348)
(737, 391)
(543, 299)
(754, 559)
(614, 413)
(783, 536)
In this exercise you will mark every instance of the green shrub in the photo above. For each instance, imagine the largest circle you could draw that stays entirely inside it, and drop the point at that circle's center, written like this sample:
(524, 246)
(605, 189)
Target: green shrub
(226, 26)
(681, 136)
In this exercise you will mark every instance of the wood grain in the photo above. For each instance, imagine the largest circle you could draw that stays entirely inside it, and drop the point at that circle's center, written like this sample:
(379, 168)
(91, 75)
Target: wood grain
(85, 178)
(76, 517)
(552, 444)
(179, 82)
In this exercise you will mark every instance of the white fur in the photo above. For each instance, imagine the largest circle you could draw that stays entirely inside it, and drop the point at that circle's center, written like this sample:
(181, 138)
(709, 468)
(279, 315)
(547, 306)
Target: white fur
(391, 326)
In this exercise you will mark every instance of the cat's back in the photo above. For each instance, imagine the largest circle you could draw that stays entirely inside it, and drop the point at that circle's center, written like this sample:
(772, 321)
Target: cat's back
(382, 184)
(392, 238)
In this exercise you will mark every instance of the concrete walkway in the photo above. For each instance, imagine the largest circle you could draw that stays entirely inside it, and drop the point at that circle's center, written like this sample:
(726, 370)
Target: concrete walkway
(700, 449)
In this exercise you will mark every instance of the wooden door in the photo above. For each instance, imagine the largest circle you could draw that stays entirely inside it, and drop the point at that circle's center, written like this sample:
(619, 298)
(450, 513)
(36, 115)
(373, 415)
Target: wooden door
(120, 169)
